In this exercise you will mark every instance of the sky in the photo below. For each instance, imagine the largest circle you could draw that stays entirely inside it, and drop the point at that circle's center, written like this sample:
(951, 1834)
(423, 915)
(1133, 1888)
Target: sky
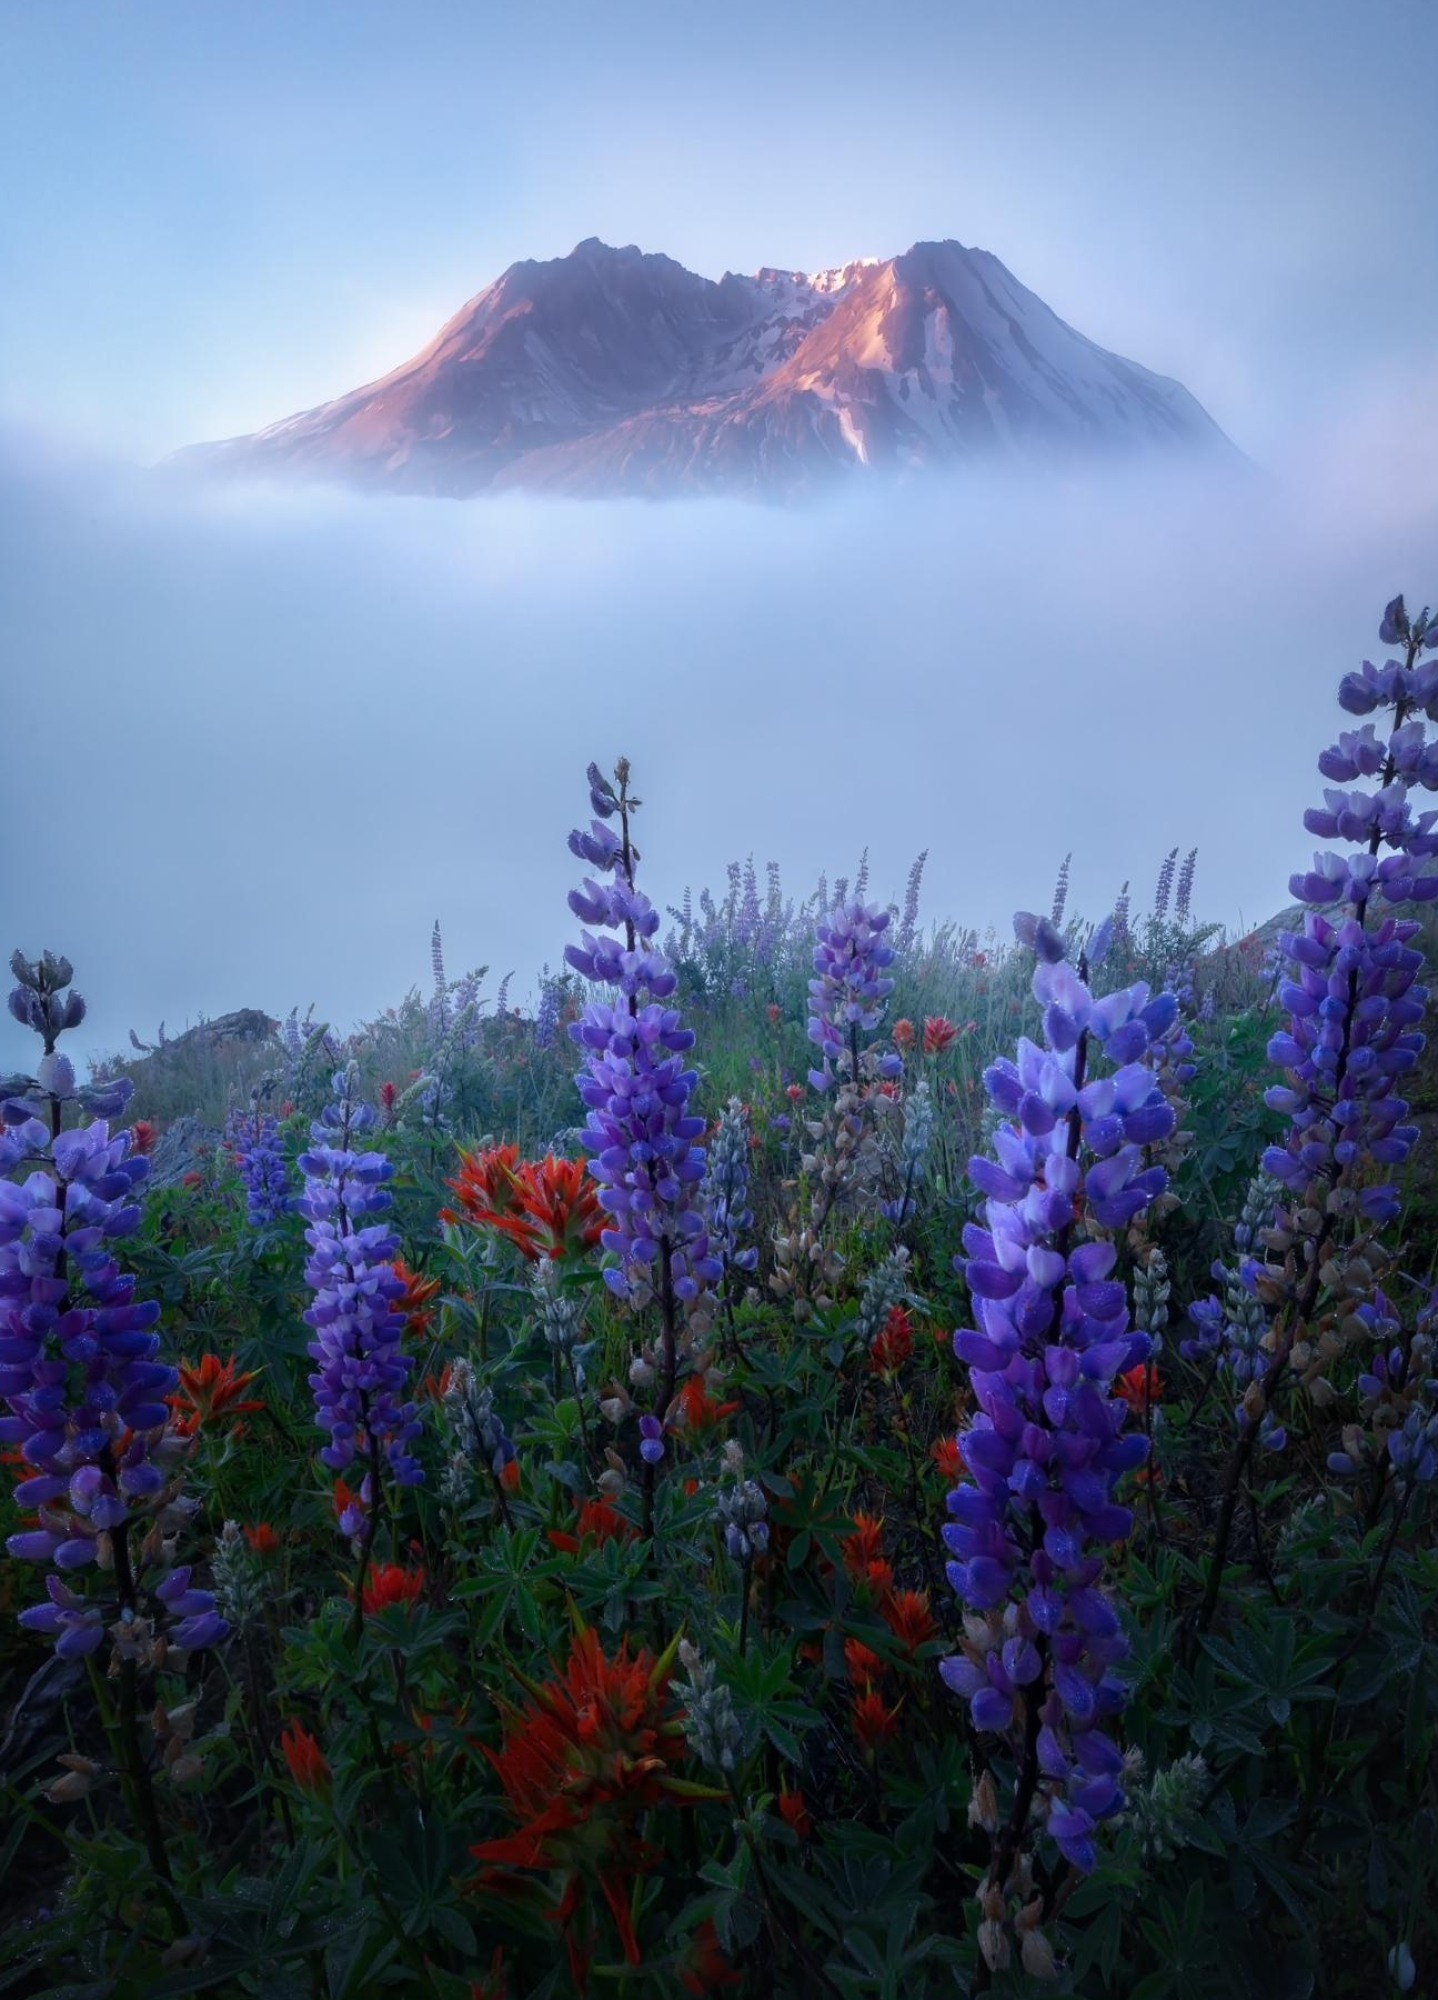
(215, 215)
(257, 741)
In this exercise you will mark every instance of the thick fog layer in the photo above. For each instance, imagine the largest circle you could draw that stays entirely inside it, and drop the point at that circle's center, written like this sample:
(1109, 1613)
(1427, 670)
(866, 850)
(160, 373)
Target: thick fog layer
(255, 742)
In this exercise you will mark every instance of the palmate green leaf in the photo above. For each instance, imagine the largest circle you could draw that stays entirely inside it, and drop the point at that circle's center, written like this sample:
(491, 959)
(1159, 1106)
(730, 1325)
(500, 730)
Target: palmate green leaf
(814, 1517)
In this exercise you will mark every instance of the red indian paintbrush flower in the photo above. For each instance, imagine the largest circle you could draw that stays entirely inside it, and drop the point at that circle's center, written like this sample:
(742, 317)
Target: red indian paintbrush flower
(142, 1136)
(1139, 1387)
(939, 1032)
(865, 1546)
(945, 1454)
(390, 1583)
(547, 1208)
(484, 1183)
(415, 1305)
(704, 1968)
(598, 1519)
(209, 1393)
(795, 1813)
(496, 1986)
(892, 1344)
(309, 1767)
(697, 1412)
(863, 1663)
(592, 1751)
(262, 1538)
(873, 1724)
(909, 1618)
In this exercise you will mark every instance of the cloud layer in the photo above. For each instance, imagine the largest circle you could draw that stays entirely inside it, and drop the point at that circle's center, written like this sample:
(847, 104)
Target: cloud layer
(256, 741)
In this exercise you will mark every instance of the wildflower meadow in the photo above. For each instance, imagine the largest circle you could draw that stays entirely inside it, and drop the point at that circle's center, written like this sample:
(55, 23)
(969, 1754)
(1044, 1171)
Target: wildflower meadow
(832, 1456)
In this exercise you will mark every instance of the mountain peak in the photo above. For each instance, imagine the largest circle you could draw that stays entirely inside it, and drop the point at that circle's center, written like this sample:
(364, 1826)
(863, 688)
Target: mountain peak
(617, 370)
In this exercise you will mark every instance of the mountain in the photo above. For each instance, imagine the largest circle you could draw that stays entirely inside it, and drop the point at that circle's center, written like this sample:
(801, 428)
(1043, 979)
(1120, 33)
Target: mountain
(613, 371)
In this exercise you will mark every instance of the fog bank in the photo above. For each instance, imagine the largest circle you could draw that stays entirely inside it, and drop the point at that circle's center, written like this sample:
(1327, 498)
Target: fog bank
(257, 740)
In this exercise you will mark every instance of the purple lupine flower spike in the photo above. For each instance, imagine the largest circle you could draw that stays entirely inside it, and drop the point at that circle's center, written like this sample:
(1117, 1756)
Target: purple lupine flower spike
(254, 1139)
(849, 987)
(361, 1371)
(80, 1375)
(1354, 1008)
(1028, 1527)
(640, 1131)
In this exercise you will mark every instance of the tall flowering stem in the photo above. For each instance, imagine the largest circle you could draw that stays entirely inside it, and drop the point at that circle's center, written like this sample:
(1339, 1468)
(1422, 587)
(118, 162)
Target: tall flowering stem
(361, 1372)
(1028, 1526)
(847, 998)
(253, 1137)
(634, 1082)
(1353, 1032)
(83, 1386)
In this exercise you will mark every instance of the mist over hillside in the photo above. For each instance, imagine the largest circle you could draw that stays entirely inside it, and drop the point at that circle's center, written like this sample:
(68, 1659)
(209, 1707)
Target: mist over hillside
(258, 740)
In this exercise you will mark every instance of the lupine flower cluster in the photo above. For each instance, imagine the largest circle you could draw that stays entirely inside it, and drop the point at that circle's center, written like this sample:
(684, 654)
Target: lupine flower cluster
(1164, 1809)
(1151, 1293)
(912, 1153)
(253, 1138)
(1398, 1397)
(80, 1375)
(742, 1512)
(479, 1436)
(361, 1370)
(634, 1082)
(711, 1723)
(1164, 887)
(1353, 1003)
(1231, 1327)
(724, 1192)
(1046, 1449)
(546, 1016)
(886, 1286)
(849, 988)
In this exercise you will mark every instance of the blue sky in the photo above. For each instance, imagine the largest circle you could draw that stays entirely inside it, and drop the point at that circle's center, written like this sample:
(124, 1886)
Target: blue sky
(216, 214)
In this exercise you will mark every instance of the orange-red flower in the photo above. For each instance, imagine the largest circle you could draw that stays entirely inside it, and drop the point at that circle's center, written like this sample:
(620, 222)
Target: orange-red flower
(210, 1392)
(598, 1519)
(484, 1183)
(795, 1813)
(939, 1032)
(865, 1545)
(547, 1208)
(142, 1136)
(909, 1618)
(903, 1035)
(863, 1663)
(698, 1411)
(945, 1454)
(705, 1969)
(262, 1538)
(415, 1305)
(873, 1724)
(1139, 1387)
(892, 1344)
(588, 1755)
(309, 1767)
(390, 1583)
(495, 1986)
